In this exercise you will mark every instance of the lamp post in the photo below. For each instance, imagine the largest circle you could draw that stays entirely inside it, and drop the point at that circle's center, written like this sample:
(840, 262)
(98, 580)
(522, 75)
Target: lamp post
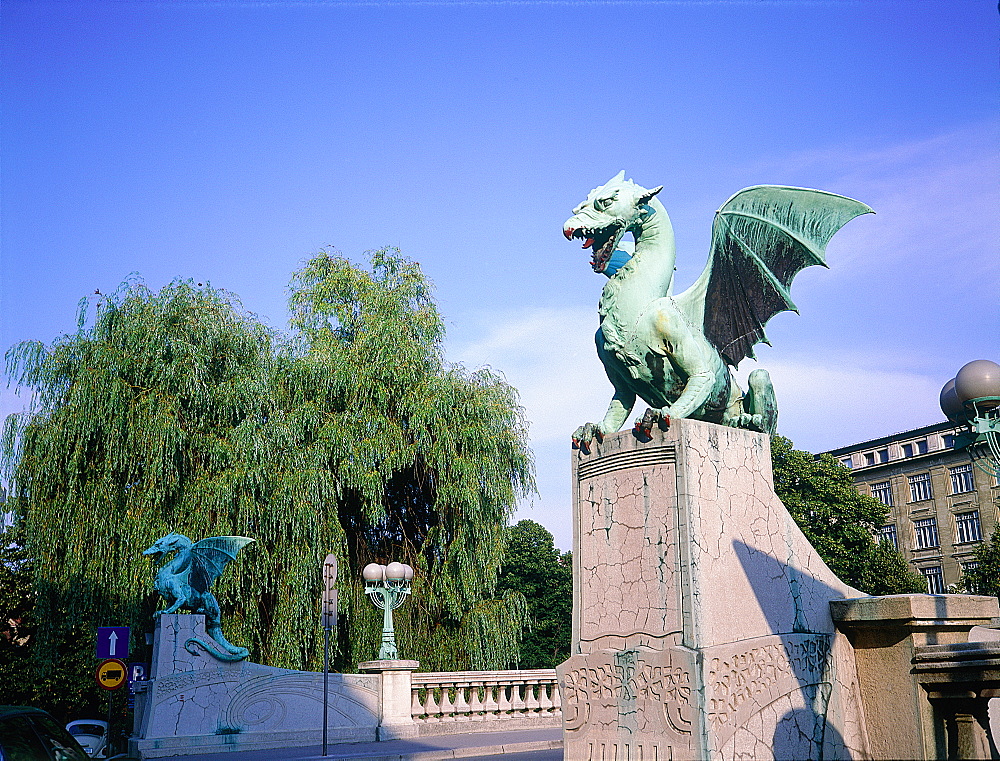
(972, 398)
(388, 587)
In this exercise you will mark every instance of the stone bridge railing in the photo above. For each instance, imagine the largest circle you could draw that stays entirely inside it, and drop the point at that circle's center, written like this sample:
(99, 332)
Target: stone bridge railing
(522, 698)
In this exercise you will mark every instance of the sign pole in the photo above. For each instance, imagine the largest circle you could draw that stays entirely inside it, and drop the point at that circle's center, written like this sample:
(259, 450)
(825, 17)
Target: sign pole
(112, 650)
(329, 616)
(326, 679)
(110, 735)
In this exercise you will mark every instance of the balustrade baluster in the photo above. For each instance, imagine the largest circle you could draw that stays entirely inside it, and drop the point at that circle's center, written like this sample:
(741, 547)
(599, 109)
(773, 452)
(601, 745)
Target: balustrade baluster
(447, 707)
(531, 702)
(431, 707)
(461, 701)
(544, 701)
(503, 701)
(475, 700)
(490, 705)
(416, 707)
(516, 699)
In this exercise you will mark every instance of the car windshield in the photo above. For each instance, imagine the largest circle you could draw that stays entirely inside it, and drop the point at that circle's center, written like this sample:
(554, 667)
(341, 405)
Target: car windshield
(18, 741)
(86, 729)
(60, 744)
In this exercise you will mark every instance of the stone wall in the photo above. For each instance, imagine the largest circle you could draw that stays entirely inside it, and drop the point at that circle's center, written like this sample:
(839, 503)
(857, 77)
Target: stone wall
(194, 703)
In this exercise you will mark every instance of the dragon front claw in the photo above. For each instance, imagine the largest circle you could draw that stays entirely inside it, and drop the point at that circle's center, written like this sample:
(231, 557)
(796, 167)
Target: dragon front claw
(644, 428)
(586, 433)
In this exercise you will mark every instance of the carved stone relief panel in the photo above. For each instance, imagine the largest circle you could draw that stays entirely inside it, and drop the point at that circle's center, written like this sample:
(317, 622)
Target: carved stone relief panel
(636, 703)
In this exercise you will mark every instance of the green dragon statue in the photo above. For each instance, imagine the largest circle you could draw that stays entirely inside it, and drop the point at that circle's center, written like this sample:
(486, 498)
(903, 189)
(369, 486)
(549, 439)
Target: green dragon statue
(185, 582)
(675, 351)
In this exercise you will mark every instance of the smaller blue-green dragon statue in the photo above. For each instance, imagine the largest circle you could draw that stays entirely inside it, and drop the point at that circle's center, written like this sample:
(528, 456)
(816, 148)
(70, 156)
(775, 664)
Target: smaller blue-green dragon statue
(676, 351)
(186, 580)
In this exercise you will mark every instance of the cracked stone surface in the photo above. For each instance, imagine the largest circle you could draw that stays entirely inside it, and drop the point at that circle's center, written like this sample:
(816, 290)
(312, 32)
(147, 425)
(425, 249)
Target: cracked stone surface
(686, 563)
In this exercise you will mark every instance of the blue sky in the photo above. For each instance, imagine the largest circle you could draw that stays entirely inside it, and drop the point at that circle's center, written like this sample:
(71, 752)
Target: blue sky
(228, 141)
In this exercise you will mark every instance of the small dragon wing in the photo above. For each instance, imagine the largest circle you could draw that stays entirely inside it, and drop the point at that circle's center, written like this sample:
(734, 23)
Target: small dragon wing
(209, 558)
(762, 238)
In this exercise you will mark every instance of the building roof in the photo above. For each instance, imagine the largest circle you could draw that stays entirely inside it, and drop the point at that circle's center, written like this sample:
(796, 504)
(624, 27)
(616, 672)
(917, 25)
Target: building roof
(902, 435)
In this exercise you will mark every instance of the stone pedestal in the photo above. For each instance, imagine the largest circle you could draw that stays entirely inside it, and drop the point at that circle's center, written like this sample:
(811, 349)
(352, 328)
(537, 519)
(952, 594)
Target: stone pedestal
(395, 697)
(701, 617)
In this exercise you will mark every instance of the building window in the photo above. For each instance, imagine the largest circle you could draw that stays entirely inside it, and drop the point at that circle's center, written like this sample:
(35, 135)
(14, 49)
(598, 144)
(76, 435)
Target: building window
(961, 479)
(922, 446)
(920, 487)
(869, 458)
(949, 440)
(968, 527)
(969, 567)
(847, 462)
(888, 534)
(935, 581)
(882, 491)
(882, 455)
(907, 450)
(926, 533)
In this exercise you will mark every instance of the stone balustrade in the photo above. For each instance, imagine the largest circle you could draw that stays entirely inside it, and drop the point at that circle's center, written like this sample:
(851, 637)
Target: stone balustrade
(529, 697)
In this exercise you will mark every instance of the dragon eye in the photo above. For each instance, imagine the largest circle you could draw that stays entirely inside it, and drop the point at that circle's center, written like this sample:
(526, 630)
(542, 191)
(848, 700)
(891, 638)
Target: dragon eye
(602, 203)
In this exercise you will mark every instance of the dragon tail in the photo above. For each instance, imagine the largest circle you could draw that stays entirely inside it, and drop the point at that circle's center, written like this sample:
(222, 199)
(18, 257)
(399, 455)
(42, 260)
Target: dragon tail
(237, 653)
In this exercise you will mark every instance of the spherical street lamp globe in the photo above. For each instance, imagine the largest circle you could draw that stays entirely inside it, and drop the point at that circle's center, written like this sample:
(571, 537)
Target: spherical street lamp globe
(950, 405)
(373, 572)
(979, 380)
(972, 399)
(395, 572)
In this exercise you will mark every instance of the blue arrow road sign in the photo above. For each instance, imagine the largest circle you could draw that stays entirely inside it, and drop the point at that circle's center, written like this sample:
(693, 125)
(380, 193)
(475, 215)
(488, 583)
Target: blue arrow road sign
(112, 642)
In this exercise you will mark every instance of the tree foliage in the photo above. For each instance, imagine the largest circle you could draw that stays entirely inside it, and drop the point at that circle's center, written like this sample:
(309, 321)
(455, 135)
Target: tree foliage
(16, 606)
(179, 411)
(840, 522)
(533, 566)
(984, 579)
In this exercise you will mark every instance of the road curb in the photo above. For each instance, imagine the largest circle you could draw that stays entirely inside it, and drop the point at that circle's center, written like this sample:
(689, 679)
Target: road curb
(443, 755)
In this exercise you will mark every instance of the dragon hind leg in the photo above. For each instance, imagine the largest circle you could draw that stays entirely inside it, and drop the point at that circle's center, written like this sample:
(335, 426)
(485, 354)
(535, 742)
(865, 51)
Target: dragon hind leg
(213, 626)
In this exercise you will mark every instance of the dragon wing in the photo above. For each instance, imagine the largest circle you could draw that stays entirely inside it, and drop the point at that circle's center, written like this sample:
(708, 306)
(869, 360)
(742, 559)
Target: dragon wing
(209, 558)
(762, 238)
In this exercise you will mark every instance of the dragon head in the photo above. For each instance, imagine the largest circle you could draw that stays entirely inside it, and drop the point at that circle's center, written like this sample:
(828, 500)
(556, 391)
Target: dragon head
(169, 543)
(617, 207)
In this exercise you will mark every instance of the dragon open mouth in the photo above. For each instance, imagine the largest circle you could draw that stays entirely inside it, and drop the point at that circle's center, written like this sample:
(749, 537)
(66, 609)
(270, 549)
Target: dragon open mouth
(601, 242)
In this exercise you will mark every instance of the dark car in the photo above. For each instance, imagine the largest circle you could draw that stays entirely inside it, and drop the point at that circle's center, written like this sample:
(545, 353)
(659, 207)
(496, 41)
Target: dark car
(30, 734)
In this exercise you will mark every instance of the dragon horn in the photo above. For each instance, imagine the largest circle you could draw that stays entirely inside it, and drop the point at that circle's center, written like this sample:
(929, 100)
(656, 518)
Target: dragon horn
(645, 197)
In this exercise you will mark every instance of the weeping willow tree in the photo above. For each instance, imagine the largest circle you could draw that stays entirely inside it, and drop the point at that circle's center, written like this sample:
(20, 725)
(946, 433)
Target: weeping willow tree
(427, 461)
(179, 411)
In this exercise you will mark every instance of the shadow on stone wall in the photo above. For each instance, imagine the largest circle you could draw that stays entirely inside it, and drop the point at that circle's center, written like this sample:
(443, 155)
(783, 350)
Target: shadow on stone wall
(801, 732)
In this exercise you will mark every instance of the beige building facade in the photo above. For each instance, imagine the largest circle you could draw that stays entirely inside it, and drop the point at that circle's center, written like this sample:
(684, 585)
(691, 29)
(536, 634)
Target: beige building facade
(942, 506)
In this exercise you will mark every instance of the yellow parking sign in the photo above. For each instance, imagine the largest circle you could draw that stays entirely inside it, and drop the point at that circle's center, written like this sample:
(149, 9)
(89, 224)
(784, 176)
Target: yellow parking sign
(112, 674)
